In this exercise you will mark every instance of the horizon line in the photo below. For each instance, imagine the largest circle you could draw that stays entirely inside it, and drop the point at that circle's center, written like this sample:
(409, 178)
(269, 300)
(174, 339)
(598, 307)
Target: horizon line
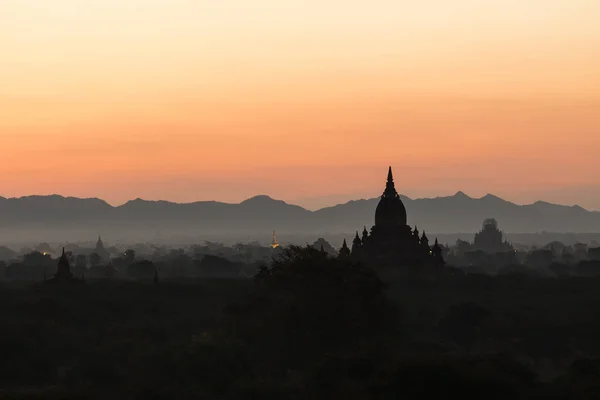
(456, 194)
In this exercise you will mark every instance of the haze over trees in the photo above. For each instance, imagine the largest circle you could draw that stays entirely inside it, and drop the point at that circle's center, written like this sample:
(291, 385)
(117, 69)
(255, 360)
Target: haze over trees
(307, 325)
(37, 217)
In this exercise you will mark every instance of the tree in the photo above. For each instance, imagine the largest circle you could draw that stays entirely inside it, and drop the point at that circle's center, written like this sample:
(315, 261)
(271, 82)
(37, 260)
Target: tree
(37, 259)
(179, 265)
(315, 301)
(129, 256)
(463, 322)
(462, 247)
(217, 267)
(327, 247)
(81, 261)
(70, 256)
(540, 258)
(95, 259)
(142, 270)
(17, 271)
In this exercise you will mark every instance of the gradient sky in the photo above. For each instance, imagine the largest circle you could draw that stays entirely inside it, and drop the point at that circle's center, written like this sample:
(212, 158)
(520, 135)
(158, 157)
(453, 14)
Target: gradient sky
(308, 101)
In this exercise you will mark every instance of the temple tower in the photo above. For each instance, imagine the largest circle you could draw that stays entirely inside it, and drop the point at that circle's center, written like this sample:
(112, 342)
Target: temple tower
(390, 210)
(274, 245)
(63, 271)
(392, 242)
(344, 251)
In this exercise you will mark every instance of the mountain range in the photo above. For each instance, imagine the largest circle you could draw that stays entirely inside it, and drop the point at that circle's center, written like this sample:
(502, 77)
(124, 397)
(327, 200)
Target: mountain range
(48, 215)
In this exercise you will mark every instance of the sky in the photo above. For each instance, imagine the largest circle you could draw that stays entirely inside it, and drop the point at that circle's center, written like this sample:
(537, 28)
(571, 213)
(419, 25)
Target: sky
(307, 101)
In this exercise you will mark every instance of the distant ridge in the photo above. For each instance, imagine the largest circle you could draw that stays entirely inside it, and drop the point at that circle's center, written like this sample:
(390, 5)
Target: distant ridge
(259, 214)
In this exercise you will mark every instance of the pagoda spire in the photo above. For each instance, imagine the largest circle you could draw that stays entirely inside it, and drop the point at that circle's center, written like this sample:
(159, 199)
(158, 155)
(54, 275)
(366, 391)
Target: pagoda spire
(390, 188)
(425, 240)
(344, 251)
(356, 244)
(436, 252)
(64, 270)
(365, 235)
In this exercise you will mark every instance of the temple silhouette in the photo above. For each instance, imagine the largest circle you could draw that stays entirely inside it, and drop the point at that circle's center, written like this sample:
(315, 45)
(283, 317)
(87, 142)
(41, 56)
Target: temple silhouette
(63, 272)
(392, 241)
(101, 250)
(490, 239)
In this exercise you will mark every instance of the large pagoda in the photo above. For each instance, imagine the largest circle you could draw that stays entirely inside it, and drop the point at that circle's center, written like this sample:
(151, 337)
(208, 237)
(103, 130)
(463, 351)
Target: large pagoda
(392, 241)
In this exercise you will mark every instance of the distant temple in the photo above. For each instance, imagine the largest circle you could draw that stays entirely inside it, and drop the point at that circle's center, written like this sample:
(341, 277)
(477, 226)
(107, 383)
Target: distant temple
(274, 245)
(63, 272)
(490, 239)
(101, 250)
(325, 247)
(392, 241)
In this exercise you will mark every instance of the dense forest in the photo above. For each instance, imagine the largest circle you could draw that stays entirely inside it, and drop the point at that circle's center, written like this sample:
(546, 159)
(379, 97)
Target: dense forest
(307, 326)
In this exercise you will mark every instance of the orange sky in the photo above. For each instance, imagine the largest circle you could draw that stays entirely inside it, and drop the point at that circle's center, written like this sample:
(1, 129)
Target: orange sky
(308, 101)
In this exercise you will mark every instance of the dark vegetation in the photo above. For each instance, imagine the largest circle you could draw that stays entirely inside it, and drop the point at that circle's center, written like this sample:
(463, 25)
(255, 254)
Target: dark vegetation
(307, 326)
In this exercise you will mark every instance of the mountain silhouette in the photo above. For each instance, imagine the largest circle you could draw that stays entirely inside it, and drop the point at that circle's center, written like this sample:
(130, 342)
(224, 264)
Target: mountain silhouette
(259, 214)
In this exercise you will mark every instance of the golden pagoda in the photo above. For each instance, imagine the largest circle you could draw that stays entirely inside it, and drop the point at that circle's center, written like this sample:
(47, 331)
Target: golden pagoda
(274, 245)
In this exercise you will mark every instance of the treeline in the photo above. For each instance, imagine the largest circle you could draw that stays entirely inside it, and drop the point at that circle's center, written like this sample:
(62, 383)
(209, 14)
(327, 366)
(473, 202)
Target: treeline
(306, 326)
(37, 267)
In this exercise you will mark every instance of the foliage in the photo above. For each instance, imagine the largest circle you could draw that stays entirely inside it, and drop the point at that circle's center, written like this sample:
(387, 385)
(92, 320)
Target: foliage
(142, 270)
(308, 326)
(307, 301)
(95, 259)
(218, 267)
